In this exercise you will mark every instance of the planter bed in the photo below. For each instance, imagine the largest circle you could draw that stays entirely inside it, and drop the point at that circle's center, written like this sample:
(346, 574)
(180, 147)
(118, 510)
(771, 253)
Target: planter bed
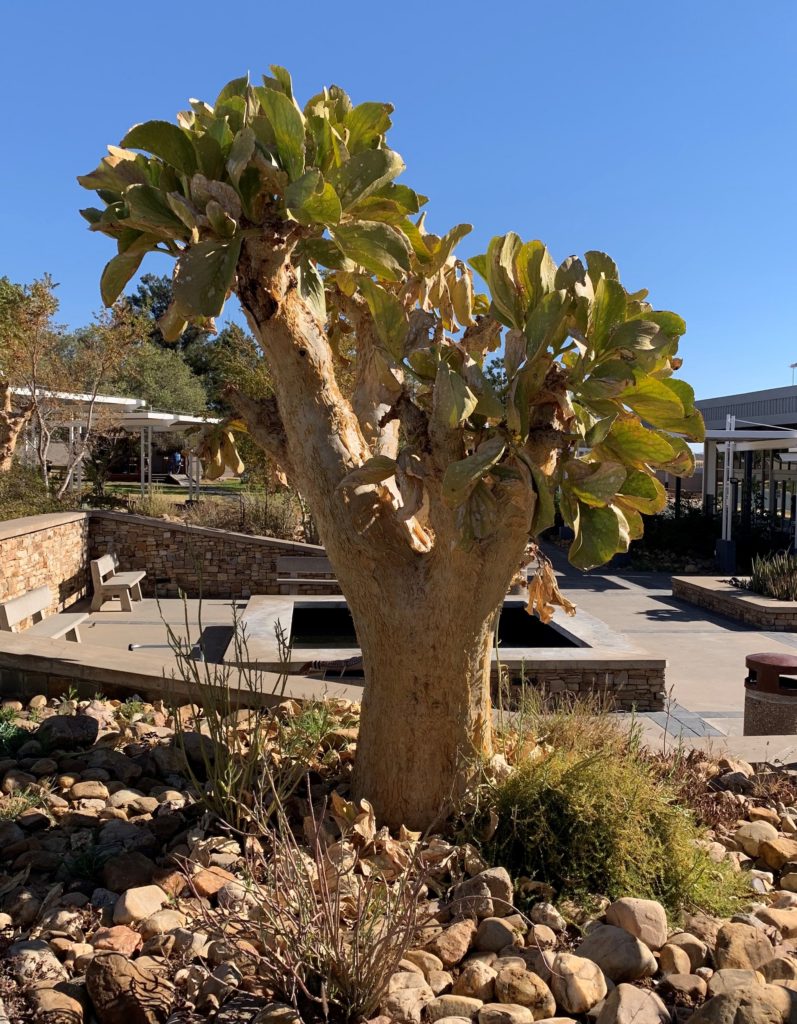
(718, 595)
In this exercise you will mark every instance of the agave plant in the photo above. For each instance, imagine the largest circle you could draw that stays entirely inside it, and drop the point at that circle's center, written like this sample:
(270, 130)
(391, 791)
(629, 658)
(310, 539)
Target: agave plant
(427, 479)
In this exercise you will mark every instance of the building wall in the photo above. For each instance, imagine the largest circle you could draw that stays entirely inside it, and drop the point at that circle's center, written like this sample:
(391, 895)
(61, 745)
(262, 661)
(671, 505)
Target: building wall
(196, 560)
(49, 550)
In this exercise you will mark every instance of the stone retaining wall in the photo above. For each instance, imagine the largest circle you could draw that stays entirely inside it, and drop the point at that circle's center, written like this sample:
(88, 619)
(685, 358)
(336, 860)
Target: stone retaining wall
(197, 560)
(49, 550)
(628, 689)
(716, 595)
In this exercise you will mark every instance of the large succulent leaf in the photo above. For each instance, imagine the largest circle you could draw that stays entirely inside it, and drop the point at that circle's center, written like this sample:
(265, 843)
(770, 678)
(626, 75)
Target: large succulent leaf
(117, 273)
(390, 319)
(164, 140)
(288, 125)
(602, 532)
(203, 276)
(453, 399)
(311, 200)
(380, 249)
(366, 124)
(461, 477)
(364, 174)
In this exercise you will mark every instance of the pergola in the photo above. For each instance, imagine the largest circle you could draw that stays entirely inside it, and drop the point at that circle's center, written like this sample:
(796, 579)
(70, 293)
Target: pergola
(133, 416)
(782, 440)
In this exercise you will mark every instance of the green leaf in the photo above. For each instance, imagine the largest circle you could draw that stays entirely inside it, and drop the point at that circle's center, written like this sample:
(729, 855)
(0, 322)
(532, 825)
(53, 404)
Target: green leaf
(374, 471)
(209, 155)
(288, 125)
(544, 514)
(364, 174)
(117, 273)
(524, 387)
(203, 275)
(183, 209)
(236, 87)
(598, 431)
(682, 462)
(672, 324)
(453, 399)
(507, 304)
(390, 204)
(652, 400)
(535, 271)
(684, 391)
(241, 152)
(311, 288)
(600, 265)
(380, 248)
(164, 140)
(149, 210)
(283, 78)
(635, 445)
(594, 483)
(599, 537)
(638, 335)
(172, 323)
(643, 492)
(367, 122)
(608, 310)
(311, 200)
(390, 320)
(442, 250)
(325, 252)
(461, 477)
(545, 326)
(222, 223)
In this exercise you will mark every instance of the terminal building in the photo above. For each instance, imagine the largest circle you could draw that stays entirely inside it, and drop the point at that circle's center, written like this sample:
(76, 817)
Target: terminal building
(750, 462)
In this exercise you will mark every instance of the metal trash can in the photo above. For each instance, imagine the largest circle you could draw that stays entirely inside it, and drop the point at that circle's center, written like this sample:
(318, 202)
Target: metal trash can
(770, 695)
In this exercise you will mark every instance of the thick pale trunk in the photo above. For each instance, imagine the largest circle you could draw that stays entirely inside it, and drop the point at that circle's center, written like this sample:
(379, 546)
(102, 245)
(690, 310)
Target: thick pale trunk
(423, 616)
(426, 713)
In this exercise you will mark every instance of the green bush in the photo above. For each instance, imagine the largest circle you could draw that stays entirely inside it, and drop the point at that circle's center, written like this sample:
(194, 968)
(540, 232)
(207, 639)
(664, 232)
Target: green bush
(22, 493)
(590, 813)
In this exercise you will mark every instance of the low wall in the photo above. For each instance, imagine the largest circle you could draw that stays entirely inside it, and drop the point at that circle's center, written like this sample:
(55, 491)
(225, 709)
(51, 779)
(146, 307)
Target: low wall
(49, 550)
(717, 595)
(195, 559)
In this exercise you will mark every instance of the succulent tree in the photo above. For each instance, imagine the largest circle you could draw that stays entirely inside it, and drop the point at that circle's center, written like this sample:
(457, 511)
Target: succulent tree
(427, 479)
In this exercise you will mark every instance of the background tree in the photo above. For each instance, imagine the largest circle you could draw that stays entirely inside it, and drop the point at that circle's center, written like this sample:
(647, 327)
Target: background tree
(426, 482)
(29, 340)
(161, 377)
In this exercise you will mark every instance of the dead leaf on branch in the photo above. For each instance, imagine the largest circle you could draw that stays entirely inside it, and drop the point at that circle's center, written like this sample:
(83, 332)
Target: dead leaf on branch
(545, 595)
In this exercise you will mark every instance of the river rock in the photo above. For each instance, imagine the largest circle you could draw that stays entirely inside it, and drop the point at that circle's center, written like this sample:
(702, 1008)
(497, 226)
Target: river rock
(777, 852)
(34, 961)
(620, 955)
(67, 732)
(751, 834)
(577, 984)
(758, 1004)
(741, 946)
(695, 948)
(124, 992)
(493, 934)
(629, 1005)
(645, 919)
(525, 988)
(138, 904)
(451, 945)
(477, 980)
(505, 1013)
(452, 1006)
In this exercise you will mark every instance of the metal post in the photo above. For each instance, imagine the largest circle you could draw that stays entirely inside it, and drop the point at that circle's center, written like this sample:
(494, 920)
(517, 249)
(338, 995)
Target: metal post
(141, 462)
(149, 460)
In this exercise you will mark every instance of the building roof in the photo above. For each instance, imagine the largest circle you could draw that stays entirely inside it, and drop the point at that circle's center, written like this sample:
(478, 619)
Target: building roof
(771, 407)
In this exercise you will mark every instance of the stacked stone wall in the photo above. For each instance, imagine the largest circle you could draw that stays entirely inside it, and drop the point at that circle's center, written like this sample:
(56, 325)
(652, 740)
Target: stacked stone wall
(49, 550)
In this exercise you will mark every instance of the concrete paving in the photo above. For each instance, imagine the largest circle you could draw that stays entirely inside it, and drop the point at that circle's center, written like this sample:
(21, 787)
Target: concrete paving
(705, 652)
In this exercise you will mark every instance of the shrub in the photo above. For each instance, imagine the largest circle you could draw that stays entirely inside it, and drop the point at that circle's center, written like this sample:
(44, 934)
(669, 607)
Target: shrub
(588, 812)
(334, 919)
(22, 493)
(156, 504)
(774, 576)
(257, 511)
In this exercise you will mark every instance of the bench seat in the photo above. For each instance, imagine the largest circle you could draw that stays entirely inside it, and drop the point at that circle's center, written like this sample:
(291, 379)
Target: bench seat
(58, 626)
(32, 605)
(109, 584)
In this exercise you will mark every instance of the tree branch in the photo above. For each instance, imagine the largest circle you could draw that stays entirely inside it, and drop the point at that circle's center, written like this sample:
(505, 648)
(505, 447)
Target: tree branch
(264, 424)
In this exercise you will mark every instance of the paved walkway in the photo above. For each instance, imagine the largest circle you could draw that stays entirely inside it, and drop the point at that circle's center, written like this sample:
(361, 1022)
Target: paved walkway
(705, 652)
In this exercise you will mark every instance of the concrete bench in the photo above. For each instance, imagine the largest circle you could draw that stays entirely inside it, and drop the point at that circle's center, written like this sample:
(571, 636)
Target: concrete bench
(109, 584)
(312, 568)
(32, 606)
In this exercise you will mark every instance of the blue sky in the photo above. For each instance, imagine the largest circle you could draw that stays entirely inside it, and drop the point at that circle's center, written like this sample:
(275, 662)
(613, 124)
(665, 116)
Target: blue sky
(661, 132)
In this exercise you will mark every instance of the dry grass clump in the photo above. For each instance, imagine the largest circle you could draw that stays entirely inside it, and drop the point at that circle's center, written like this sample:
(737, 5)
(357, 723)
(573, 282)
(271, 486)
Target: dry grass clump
(587, 812)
